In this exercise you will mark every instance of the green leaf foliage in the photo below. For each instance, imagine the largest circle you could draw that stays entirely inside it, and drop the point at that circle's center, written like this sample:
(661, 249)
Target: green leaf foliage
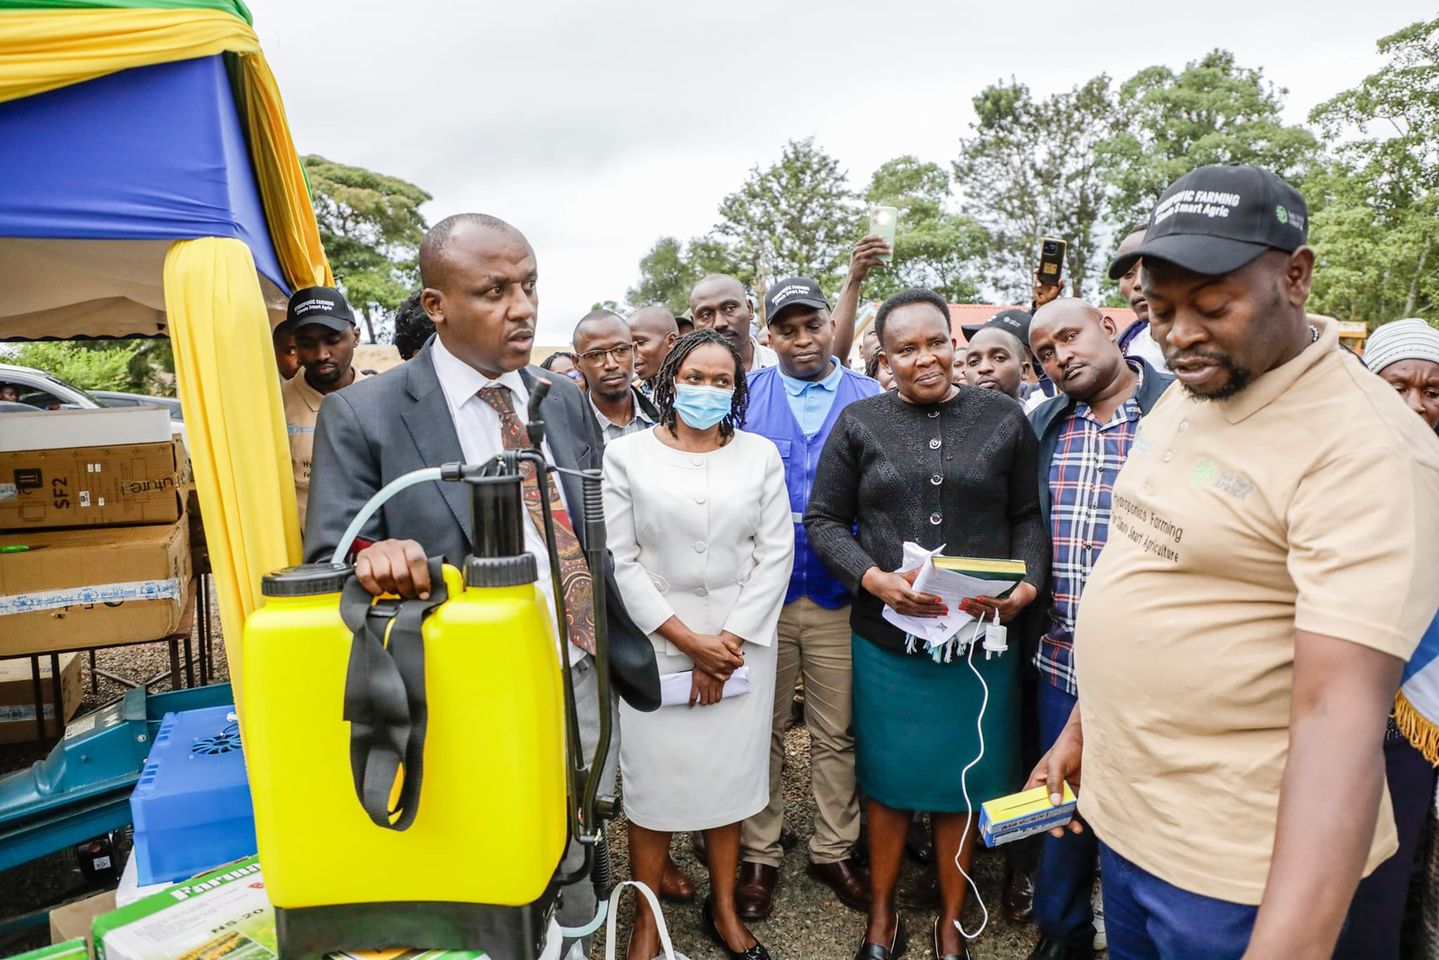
(371, 228)
(99, 366)
(1212, 111)
(1374, 220)
(932, 247)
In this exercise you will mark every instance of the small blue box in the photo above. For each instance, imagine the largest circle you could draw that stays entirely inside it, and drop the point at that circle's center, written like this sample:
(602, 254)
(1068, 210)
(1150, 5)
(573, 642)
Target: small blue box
(192, 807)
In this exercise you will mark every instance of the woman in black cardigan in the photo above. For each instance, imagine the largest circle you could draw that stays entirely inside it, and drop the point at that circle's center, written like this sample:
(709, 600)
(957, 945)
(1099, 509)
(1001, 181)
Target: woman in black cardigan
(940, 465)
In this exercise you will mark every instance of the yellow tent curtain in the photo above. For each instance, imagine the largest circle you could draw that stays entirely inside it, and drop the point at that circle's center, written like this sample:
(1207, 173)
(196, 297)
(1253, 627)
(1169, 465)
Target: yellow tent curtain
(43, 50)
(225, 372)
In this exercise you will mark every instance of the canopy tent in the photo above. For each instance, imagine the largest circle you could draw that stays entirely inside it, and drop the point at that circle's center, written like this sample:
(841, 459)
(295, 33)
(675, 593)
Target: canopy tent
(150, 188)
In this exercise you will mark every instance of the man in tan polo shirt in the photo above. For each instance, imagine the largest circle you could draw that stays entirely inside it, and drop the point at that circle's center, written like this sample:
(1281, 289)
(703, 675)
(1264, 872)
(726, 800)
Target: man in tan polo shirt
(1269, 569)
(325, 337)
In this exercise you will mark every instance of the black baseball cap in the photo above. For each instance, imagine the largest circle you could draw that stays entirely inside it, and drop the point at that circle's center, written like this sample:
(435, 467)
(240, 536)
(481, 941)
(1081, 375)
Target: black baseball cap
(1215, 219)
(324, 306)
(1013, 320)
(792, 292)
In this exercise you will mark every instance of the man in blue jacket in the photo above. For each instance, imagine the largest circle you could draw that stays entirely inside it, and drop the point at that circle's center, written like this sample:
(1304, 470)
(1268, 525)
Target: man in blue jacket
(796, 404)
(1085, 433)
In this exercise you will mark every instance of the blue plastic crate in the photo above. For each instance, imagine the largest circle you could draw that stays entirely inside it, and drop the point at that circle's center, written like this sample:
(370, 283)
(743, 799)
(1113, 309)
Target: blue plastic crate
(192, 805)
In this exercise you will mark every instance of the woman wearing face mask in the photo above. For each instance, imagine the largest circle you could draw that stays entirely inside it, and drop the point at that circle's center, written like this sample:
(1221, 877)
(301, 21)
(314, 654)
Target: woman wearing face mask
(699, 523)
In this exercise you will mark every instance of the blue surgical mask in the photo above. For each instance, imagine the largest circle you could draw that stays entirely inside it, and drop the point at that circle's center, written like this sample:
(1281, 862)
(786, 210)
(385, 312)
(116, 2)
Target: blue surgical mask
(702, 407)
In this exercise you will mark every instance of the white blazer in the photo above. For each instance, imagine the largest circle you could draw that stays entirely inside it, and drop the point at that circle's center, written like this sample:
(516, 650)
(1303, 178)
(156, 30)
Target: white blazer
(706, 537)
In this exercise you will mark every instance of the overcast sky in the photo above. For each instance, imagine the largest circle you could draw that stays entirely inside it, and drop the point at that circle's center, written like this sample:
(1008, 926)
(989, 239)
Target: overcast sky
(598, 127)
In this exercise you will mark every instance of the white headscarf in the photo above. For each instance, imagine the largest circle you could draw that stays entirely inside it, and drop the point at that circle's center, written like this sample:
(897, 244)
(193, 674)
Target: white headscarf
(1411, 339)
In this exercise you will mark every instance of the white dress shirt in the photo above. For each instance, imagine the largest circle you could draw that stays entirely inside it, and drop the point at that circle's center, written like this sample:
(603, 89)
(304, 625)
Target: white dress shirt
(1147, 349)
(763, 357)
(478, 426)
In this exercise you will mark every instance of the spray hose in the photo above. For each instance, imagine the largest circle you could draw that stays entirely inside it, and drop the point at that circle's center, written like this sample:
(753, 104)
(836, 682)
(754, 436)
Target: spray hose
(372, 507)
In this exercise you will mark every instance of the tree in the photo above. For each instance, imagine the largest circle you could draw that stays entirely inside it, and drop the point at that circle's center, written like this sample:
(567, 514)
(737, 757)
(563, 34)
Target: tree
(103, 367)
(1374, 219)
(1214, 111)
(797, 216)
(671, 269)
(932, 247)
(371, 227)
(1032, 168)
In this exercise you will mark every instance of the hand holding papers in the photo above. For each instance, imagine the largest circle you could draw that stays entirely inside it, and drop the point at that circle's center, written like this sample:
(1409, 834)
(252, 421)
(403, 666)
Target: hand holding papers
(953, 580)
(675, 687)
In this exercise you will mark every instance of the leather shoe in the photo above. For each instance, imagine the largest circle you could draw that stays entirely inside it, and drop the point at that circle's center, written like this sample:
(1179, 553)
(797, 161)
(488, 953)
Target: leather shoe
(848, 881)
(1018, 895)
(787, 836)
(698, 846)
(877, 951)
(676, 885)
(707, 918)
(1054, 950)
(963, 947)
(754, 890)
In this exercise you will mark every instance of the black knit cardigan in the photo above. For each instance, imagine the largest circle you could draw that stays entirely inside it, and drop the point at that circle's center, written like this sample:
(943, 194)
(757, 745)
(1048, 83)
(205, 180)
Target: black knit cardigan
(962, 474)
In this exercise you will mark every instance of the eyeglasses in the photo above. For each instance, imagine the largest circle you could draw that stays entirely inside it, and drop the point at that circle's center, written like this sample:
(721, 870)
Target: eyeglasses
(596, 358)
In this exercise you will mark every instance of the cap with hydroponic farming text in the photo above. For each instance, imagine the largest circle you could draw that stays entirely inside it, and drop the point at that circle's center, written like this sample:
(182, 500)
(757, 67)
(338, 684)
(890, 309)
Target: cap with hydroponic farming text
(1215, 219)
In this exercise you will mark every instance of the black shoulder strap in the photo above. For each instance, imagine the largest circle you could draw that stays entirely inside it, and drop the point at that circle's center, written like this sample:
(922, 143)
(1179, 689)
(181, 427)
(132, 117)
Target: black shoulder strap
(385, 697)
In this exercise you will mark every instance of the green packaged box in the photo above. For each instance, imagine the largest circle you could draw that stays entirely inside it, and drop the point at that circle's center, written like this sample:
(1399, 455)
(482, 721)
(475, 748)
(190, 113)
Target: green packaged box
(222, 913)
(69, 950)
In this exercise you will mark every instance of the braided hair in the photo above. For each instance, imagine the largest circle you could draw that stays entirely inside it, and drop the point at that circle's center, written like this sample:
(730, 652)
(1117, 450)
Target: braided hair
(664, 395)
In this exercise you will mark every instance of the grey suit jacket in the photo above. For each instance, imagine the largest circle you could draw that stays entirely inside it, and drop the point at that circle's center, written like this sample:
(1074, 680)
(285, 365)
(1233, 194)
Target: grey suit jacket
(383, 427)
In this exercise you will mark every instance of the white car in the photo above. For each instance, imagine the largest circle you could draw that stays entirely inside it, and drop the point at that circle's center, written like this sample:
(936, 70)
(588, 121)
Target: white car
(39, 390)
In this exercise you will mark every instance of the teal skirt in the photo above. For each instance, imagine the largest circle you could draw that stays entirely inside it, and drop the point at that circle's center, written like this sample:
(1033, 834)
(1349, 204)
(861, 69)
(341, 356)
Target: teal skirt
(915, 728)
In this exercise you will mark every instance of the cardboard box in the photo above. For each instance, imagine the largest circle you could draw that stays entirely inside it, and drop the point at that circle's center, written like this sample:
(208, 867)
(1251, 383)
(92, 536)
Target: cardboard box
(226, 913)
(61, 429)
(69, 950)
(17, 697)
(89, 588)
(97, 486)
(75, 919)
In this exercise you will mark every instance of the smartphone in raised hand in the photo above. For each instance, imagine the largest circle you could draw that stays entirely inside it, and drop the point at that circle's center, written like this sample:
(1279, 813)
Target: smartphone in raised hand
(882, 221)
(1051, 260)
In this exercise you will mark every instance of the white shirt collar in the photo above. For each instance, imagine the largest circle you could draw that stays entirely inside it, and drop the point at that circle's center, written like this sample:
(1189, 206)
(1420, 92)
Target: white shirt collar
(461, 382)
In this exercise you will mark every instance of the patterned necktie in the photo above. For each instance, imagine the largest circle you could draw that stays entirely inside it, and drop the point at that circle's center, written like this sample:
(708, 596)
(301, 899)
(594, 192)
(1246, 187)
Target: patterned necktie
(574, 571)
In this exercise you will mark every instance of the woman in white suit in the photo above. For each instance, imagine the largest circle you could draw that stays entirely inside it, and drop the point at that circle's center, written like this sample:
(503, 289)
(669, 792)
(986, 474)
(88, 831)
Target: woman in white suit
(699, 523)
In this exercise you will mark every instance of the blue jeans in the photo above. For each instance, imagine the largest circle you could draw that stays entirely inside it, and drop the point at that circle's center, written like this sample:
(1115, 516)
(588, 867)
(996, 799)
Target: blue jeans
(1064, 882)
(1146, 918)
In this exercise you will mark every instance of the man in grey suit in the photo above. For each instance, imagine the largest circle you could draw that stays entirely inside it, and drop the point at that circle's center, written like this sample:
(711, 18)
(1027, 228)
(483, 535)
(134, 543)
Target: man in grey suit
(464, 398)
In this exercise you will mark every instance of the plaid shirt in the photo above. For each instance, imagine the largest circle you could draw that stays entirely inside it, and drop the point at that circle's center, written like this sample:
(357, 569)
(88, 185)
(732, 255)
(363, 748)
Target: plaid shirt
(1087, 458)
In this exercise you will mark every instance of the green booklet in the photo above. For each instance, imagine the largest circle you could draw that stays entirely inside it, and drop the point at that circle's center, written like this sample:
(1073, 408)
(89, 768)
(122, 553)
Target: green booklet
(982, 568)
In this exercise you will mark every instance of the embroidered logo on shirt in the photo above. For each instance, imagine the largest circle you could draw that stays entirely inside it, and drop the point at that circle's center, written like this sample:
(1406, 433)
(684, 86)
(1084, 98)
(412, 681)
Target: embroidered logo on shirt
(1208, 473)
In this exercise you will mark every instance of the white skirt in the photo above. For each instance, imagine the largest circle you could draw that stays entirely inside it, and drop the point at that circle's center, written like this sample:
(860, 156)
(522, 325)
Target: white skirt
(694, 768)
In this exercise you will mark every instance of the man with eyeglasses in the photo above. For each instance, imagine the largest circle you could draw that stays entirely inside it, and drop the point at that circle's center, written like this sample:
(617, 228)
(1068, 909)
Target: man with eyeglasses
(605, 354)
(720, 301)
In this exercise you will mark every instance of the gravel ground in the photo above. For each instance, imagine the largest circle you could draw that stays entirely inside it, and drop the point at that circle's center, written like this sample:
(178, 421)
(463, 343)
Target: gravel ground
(808, 923)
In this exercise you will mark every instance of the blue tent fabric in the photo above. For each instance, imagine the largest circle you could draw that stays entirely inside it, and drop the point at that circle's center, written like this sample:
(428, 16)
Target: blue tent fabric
(153, 153)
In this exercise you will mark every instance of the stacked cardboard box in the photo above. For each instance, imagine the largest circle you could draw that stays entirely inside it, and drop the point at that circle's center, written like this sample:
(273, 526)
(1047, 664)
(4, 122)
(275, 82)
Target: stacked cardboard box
(94, 538)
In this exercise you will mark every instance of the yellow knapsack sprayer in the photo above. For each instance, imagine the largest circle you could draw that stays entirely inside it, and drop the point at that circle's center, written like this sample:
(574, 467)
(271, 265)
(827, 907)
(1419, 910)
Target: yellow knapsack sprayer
(415, 765)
